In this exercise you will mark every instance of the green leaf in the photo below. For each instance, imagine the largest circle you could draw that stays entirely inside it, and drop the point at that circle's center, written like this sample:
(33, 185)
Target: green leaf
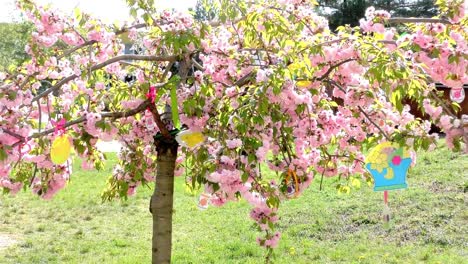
(78, 14)
(175, 109)
(133, 12)
(3, 154)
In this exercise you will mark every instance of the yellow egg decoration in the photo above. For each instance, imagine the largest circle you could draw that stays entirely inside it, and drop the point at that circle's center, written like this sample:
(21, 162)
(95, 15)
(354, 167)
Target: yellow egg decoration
(61, 149)
(303, 84)
(190, 139)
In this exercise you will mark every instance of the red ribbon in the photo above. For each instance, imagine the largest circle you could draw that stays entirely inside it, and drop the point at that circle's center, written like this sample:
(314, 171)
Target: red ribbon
(385, 197)
(59, 126)
(151, 95)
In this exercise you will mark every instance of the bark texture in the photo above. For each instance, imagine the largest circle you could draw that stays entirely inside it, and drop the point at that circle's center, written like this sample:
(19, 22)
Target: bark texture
(161, 205)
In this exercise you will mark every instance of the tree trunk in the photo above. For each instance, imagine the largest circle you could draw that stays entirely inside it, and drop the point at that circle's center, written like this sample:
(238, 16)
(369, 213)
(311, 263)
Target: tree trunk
(162, 201)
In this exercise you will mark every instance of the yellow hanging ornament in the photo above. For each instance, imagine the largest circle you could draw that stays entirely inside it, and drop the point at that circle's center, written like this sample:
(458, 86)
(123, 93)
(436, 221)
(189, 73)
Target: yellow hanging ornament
(304, 84)
(190, 139)
(61, 149)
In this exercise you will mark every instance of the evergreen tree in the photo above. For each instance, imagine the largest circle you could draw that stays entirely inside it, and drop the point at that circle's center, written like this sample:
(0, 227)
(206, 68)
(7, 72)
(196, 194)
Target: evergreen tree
(349, 12)
(205, 10)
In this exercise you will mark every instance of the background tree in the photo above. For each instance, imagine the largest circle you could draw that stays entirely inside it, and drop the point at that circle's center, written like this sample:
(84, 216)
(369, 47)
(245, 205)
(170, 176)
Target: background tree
(271, 79)
(206, 10)
(348, 12)
(13, 40)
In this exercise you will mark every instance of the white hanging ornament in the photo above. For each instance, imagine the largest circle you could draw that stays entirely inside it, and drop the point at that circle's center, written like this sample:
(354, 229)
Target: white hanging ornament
(204, 201)
(457, 95)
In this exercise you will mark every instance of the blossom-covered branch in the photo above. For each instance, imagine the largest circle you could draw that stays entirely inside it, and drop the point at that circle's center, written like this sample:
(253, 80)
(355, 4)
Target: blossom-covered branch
(113, 115)
(57, 86)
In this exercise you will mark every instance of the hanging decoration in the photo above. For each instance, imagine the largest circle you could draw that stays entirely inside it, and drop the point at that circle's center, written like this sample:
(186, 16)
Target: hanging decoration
(61, 146)
(457, 95)
(294, 67)
(292, 188)
(304, 84)
(151, 94)
(190, 139)
(388, 164)
(204, 201)
(175, 108)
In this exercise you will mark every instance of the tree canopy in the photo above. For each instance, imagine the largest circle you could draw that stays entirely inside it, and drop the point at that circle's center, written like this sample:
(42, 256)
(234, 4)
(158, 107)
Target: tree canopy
(349, 12)
(205, 10)
(266, 83)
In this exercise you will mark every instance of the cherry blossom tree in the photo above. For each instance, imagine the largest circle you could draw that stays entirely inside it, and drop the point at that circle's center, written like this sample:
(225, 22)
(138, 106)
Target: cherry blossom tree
(266, 83)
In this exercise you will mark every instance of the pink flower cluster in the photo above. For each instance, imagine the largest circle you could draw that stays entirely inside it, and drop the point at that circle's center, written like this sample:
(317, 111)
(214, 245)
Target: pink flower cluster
(176, 21)
(374, 20)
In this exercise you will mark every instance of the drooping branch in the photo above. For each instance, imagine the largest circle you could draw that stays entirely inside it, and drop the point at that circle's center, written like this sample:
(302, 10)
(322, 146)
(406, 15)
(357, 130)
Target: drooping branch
(104, 64)
(74, 49)
(370, 120)
(443, 104)
(114, 115)
(361, 110)
(326, 74)
(91, 42)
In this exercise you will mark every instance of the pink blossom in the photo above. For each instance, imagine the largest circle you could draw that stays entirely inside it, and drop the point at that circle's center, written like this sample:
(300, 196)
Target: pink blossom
(273, 241)
(233, 143)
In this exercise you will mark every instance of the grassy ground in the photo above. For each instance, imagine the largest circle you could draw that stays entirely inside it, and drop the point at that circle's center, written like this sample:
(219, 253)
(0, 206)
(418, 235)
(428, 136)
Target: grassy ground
(429, 224)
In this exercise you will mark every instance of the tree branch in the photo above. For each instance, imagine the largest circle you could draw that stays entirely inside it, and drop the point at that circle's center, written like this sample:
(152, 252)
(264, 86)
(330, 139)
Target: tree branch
(126, 29)
(91, 42)
(157, 118)
(70, 51)
(361, 110)
(115, 115)
(443, 104)
(197, 65)
(325, 75)
(13, 134)
(104, 64)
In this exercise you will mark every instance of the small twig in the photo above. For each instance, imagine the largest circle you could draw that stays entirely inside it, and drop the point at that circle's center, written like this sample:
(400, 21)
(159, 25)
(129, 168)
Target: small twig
(370, 120)
(197, 65)
(244, 80)
(325, 75)
(91, 42)
(321, 179)
(70, 51)
(40, 115)
(166, 72)
(447, 110)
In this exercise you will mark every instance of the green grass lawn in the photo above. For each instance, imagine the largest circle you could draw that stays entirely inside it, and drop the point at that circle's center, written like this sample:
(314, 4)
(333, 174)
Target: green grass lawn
(429, 223)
